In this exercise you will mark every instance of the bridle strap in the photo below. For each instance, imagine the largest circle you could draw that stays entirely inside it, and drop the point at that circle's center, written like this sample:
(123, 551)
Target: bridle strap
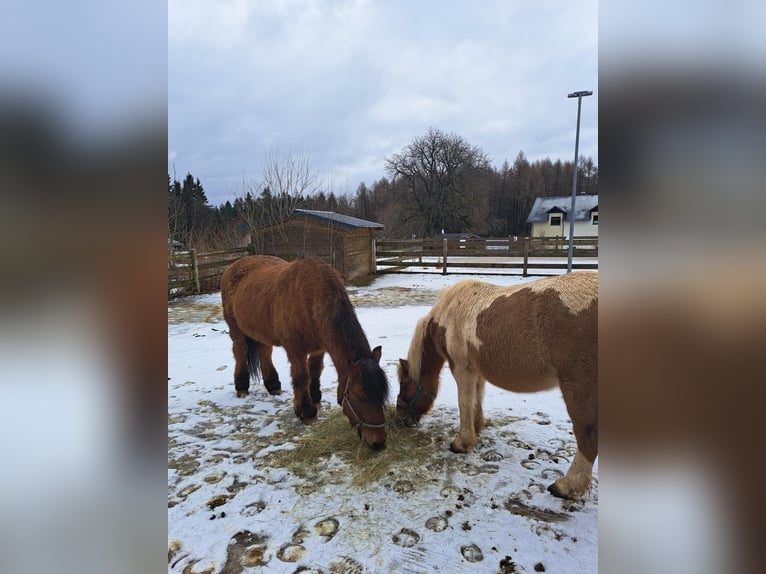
(410, 406)
(360, 421)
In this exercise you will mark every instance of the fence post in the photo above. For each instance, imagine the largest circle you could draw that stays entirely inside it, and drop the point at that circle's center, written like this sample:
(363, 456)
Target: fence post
(444, 267)
(374, 262)
(526, 257)
(195, 271)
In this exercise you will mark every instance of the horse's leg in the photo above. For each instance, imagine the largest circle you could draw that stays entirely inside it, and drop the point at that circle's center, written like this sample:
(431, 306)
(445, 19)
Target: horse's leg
(316, 365)
(270, 376)
(478, 413)
(302, 405)
(241, 370)
(582, 405)
(466, 396)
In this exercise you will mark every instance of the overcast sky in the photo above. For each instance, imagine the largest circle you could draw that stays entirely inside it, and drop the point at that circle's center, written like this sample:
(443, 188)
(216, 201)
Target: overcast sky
(349, 82)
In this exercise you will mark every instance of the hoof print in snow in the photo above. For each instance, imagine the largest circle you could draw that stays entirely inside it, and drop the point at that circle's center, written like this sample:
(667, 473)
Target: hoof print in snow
(217, 501)
(245, 549)
(306, 488)
(290, 552)
(530, 464)
(406, 538)
(557, 443)
(492, 456)
(403, 486)
(448, 491)
(308, 570)
(215, 477)
(300, 535)
(551, 473)
(346, 566)
(327, 528)
(469, 469)
(541, 418)
(437, 523)
(186, 491)
(472, 553)
(253, 509)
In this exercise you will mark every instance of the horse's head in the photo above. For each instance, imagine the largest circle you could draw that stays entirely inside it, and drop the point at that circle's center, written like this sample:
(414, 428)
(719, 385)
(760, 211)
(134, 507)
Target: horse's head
(413, 400)
(365, 393)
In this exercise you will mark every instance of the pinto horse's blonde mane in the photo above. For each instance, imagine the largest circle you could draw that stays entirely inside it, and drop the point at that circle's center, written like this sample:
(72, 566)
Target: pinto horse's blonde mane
(415, 354)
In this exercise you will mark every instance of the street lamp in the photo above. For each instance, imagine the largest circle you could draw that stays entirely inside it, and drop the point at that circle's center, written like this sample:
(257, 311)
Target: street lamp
(579, 96)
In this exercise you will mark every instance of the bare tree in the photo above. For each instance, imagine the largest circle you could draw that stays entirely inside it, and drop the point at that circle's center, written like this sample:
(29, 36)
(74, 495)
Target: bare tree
(439, 178)
(289, 179)
(286, 180)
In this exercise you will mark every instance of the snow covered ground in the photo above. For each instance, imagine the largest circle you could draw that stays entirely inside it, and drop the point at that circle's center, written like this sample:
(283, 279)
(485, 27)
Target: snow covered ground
(230, 511)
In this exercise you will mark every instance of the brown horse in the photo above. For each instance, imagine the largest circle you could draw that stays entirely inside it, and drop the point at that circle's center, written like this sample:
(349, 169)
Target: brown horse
(525, 338)
(303, 307)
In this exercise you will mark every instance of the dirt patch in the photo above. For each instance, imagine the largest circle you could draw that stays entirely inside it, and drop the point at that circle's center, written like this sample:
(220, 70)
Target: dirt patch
(516, 506)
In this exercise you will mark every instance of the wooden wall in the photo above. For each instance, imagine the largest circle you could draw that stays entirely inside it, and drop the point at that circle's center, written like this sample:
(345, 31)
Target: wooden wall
(349, 252)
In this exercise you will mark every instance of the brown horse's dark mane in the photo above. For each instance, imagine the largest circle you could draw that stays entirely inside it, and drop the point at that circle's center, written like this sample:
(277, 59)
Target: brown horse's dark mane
(352, 342)
(351, 336)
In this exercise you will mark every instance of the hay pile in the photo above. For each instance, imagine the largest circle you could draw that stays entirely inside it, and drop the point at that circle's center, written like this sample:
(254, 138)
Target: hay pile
(405, 448)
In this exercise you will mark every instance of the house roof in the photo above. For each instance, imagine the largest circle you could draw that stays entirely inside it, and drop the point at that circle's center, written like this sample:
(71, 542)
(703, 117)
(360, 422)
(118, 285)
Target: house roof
(343, 221)
(584, 204)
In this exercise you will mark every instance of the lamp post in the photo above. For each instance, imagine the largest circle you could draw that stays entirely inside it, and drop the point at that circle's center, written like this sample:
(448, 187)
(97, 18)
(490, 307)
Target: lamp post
(579, 96)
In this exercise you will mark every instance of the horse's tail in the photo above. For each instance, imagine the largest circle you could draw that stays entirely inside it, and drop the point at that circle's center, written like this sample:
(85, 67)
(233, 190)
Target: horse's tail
(415, 354)
(253, 361)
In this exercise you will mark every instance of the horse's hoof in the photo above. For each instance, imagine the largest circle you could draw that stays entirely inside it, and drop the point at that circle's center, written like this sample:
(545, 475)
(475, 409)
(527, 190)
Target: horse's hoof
(455, 449)
(557, 492)
(308, 420)
(241, 394)
(276, 391)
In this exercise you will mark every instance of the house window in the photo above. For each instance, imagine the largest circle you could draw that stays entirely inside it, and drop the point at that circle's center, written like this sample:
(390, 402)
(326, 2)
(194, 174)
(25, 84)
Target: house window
(555, 220)
(595, 219)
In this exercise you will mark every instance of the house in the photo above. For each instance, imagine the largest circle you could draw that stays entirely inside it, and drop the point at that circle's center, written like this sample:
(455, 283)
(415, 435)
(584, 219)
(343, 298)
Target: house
(343, 241)
(550, 217)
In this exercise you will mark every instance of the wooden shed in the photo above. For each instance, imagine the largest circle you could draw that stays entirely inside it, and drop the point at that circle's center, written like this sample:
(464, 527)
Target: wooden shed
(343, 241)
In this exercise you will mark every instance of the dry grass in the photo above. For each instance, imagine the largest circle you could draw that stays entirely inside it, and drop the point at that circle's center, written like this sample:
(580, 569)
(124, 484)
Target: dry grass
(405, 448)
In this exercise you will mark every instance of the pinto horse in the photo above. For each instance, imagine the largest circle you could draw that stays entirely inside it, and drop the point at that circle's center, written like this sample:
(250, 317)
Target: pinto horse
(303, 307)
(524, 338)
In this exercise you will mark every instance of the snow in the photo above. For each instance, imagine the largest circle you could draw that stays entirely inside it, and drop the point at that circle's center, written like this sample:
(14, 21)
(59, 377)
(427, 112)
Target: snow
(486, 511)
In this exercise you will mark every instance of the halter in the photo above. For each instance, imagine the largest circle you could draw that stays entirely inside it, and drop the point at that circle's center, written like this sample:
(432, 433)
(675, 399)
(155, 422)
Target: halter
(360, 421)
(410, 406)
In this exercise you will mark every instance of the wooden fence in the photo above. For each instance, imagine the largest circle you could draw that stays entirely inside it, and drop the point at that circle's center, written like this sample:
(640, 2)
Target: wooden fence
(190, 272)
(524, 255)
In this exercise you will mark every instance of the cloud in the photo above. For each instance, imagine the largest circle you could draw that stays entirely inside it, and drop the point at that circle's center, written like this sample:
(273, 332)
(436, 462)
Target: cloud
(351, 82)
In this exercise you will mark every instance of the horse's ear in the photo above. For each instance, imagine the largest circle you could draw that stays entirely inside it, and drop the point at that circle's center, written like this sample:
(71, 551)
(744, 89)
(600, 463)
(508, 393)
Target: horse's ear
(405, 364)
(376, 352)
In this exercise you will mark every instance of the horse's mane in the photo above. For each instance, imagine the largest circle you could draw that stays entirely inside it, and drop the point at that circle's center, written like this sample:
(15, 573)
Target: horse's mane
(350, 335)
(415, 354)
(374, 382)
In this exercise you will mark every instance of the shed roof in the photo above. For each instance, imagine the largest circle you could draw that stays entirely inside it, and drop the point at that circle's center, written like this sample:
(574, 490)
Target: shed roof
(343, 221)
(584, 204)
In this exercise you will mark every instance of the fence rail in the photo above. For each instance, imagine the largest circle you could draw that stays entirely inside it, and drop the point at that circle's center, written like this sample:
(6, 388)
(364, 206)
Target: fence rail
(190, 272)
(512, 254)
